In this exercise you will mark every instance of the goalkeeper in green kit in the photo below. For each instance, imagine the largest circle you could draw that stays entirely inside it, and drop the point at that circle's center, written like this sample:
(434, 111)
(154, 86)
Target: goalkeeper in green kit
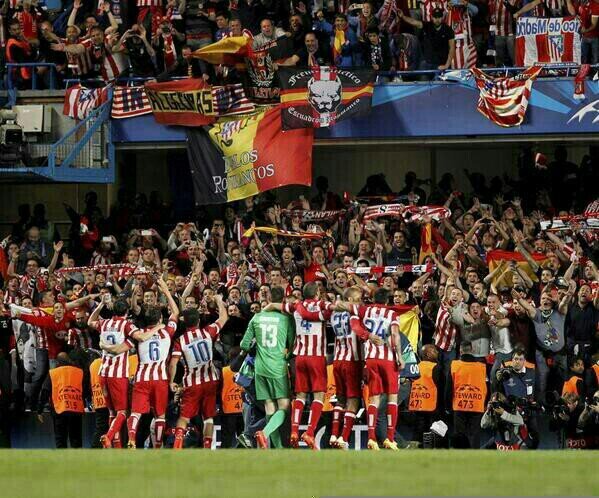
(274, 334)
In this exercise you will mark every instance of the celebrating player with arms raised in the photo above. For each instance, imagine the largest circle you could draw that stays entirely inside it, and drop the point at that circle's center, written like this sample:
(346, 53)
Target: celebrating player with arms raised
(201, 378)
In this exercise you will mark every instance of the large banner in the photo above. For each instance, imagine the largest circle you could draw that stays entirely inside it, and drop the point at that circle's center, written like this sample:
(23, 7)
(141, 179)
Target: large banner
(504, 100)
(320, 96)
(261, 82)
(129, 101)
(235, 159)
(79, 101)
(541, 40)
(192, 102)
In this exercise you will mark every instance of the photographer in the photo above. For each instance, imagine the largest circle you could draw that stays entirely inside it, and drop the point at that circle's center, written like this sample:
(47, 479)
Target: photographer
(517, 377)
(564, 418)
(510, 430)
(588, 421)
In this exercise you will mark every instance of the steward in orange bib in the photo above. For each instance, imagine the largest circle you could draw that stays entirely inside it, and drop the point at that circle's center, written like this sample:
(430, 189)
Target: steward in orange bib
(467, 393)
(424, 394)
(231, 420)
(592, 376)
(575, 384)
(64, 385)
(19, 50)
(98, 403)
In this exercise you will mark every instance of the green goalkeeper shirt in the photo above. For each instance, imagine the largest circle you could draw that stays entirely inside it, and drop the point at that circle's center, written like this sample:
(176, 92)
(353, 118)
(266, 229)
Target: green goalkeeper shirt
(274, 334)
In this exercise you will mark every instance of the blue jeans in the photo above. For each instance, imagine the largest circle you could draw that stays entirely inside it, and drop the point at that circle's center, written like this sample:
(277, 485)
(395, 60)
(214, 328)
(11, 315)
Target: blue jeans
(589, 50)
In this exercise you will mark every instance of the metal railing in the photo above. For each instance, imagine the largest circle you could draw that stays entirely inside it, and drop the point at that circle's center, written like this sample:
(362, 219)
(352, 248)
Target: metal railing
(85, 145)
(12, 67)
(549, 70)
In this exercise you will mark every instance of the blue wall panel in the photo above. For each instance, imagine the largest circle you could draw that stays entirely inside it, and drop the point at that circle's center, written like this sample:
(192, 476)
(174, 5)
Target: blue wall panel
(439, 109)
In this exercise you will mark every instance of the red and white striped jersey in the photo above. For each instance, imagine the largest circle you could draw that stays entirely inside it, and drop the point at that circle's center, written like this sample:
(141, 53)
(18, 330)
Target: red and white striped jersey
(244, 32)
(445, 332)
(310, 334)
(465, 53)
(116, 330)
(195, 348)
(8, 299)
(81, 63)
(153, 354)
(378, 321)
(78, 338)
(149, 3)
(347, 345)
(500, 17)
(99, 259)
(113, 64)
(427, 7)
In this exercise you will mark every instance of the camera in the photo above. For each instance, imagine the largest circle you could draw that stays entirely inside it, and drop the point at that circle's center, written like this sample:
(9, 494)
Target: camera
(166, 30)
(493, 405)
(504, 374)
(559, 409)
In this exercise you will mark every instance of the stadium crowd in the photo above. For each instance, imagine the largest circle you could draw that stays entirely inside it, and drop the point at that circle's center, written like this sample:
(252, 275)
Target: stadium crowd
(154, 38)
(159, 323)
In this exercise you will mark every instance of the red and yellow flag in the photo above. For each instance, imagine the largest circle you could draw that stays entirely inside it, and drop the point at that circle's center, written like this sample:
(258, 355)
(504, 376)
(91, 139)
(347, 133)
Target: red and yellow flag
(238, 158)
(495, 257)
(228, 51)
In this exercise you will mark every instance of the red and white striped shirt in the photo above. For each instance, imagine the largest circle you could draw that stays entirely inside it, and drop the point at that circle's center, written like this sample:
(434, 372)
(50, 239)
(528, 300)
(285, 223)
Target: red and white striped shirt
(149, 3)
(79, 64)
(310, 334)
(445, 331)
(99, 259)
(427, 7)
(195, 348)
(78, 338)
(347, 344)
(154, 353)
(378, 320)
(500, 18)
(116, 330)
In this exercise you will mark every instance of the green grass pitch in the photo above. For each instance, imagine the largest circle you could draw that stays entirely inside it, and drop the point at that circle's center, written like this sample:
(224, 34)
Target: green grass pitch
(287, 473)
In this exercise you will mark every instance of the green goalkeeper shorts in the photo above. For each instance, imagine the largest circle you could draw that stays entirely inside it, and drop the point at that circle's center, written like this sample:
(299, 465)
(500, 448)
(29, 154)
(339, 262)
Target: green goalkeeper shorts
(271, 388)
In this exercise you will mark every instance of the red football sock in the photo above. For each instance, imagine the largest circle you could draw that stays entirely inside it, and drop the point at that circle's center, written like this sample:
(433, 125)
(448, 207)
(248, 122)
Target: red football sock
(297, 407)
(391, 420)
(372, 415)
(116, 425)
(179, 436)
(315, 411)
(116, 442)
(207, 442)
(159, 424)
(132, 427)
(336, 421)
(348, 423)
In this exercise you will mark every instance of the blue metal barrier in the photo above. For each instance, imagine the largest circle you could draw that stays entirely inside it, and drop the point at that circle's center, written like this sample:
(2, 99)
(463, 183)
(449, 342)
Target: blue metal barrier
(84, 154)
(64, 153)
(12, 67)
